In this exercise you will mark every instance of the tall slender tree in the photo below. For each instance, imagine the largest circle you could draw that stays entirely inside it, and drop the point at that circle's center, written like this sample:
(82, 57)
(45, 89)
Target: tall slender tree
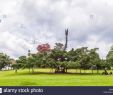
(66, 39)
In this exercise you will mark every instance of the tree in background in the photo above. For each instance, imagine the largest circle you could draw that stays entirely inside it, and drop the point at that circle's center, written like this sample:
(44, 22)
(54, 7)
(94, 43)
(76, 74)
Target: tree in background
(16, 66)
(21, 62)
(59, 46)
(79, 56)
(4, 60)
(43, 48)
(109, 57)
(95, 60)
(61, 60)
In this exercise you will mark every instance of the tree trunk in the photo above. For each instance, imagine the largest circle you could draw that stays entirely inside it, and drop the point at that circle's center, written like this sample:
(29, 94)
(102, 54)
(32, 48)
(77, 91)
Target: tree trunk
(92, 71)
(15, 70)
(97, 71)
(80, 70)
(84, 71)
(29, 70)
(66, 70)
(32, 70)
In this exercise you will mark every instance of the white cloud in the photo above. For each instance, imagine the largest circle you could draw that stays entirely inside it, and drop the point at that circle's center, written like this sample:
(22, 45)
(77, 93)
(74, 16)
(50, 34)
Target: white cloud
(22, 21)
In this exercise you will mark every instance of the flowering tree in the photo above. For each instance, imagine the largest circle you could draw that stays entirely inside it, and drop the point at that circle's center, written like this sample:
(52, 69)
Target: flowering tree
(43, 48)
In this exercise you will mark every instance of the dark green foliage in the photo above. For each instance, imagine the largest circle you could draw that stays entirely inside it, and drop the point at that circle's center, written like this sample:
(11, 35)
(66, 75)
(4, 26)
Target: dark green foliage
(109, 58)
(60, 60)
(4, 60)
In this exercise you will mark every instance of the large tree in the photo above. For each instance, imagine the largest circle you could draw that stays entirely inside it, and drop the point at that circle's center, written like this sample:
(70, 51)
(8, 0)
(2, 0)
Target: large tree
(59, 56)
(109, 57)
(4, 60)
(95, 60)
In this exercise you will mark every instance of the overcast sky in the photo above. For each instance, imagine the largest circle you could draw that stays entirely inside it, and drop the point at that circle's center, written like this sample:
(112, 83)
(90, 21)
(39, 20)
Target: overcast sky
(90, 24)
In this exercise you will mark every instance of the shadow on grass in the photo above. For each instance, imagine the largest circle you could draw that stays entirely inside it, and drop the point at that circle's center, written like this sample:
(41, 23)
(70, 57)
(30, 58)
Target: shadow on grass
(27, 83)
(51, 73)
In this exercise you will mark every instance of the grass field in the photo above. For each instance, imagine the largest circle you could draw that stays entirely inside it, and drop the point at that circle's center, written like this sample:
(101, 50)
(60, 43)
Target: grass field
(23, 78)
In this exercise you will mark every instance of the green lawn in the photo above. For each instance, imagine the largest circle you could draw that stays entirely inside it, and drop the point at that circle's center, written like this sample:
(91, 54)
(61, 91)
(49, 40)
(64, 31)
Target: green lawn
(23, 78)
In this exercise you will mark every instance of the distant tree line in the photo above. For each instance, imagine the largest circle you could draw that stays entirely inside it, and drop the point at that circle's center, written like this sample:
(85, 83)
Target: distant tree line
(61, 60)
